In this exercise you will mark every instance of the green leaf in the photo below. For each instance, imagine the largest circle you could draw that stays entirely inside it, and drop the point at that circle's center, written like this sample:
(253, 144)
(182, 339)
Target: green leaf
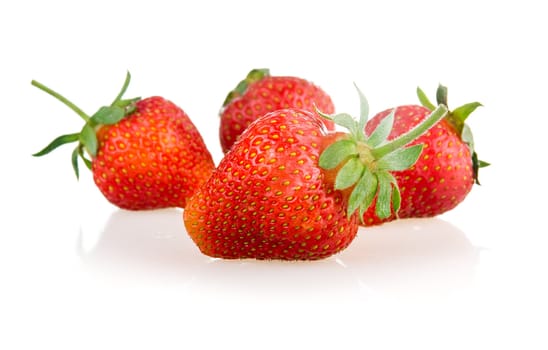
(88, 138)
(108, 115)
(483, 164)
(424, 99)
(349, 174)
(322, 114)
(371, 192)
(476, 165)
(467, 137)
(229, 97)
(123, 90)
(129, 105)
(400, 159)
(127, 102)
(74, 161)
(441, 95)
(382, 131)
(335, 153)
(257, 74)
(59, 141)
(87, 162)
(253, 76)
(363, 193)
(241, 88)
(460, 114)
(364, 110)
(396, 199)
(383, 207)
(347, 121)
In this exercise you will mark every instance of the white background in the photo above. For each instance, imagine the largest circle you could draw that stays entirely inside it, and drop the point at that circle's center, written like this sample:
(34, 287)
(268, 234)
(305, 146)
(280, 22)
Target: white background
(79, 274)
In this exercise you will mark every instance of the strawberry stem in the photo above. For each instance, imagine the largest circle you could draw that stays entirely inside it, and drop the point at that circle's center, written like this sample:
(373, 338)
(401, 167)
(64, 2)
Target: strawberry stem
(366, 161)
(62, 99)
(87, 137)
(438, 114)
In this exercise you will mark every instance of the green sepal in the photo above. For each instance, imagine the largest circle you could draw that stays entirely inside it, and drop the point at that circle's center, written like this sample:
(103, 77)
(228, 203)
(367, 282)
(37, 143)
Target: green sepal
(347, 121)
(483, 164)
(128, 105)
(457, 118)
(253, 76)
(425, 102)
(342, 119)
(400, 159)
(368, 161)
(79, 152)
(364, 113)
(349, 174)
(108, 115)
(87, 162)
(337, 152)
(257, 74)
(363, 193)
(441, 95)
(459, 115)
(59, 141)
(74, 161)
(476, 165)
(88, 139)
(382, 131)
(383, 207)
(396, 198)
(122, 90)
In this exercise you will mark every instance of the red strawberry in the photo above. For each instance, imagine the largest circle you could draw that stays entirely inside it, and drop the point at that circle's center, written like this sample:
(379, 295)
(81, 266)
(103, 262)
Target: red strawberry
(260, 93)
(144, 154)
(448, 167)
(289, 190)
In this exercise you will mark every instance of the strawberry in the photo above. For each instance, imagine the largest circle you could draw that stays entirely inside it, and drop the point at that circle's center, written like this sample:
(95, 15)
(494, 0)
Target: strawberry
(143, 153)
(260, 93)
(448, 167)
(288, 189)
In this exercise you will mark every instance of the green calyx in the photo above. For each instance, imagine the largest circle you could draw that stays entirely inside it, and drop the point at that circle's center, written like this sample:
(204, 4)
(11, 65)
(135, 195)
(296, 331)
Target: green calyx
(86, 138)
(253, 76)
(364, 163)
(457, 118)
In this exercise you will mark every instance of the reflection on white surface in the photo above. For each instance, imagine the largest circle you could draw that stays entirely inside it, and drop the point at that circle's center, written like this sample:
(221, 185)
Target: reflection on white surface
(141, 247)
(415, 258)
(409, 258)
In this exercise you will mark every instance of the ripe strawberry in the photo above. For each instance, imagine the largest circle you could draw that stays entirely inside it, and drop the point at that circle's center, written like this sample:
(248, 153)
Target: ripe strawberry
(290, 190)
(144, 154)
(260, 93)
(448, 167)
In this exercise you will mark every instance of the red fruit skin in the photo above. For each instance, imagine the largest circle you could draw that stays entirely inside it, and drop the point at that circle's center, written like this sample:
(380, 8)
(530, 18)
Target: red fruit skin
(267, 95)
(440, 179)
(154, 158)
(269, 199)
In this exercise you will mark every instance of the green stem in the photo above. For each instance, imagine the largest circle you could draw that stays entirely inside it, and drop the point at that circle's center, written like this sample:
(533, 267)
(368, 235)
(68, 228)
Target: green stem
(438, 114)
(62, 99)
